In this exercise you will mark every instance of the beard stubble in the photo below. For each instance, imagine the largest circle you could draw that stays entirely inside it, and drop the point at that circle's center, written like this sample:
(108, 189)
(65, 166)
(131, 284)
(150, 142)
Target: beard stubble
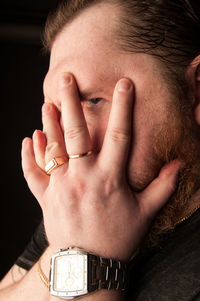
(179, 138)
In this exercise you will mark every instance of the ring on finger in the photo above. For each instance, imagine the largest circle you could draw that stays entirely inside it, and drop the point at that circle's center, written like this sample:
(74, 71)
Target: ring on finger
(55, 163)
(78, 156)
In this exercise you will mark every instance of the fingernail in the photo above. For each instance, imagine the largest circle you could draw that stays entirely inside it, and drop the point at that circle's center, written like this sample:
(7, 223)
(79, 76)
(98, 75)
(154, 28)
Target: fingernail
(35, 134)
(124, 85)
(25, 141)
(66, 79)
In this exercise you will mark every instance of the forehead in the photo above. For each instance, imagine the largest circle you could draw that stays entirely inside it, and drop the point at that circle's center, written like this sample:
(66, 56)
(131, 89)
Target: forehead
(96, 21)
(92, 30)
(86, 45)
(86, 48)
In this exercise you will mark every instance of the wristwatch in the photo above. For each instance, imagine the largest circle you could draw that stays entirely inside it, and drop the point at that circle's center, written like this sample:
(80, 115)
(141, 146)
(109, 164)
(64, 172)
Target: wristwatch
(74, 273)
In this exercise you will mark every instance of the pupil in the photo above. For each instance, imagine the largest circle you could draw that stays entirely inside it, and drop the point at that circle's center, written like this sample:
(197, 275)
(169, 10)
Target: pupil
(95, 100)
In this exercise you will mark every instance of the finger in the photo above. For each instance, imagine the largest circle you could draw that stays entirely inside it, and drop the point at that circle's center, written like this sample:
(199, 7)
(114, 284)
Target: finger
(156, 195)
(39, 147)
(36, 179)
(51, 127)
(77, 138)
(115, 148)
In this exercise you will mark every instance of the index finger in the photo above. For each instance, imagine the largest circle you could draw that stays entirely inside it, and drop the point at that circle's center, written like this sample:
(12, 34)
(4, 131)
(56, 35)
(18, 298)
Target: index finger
(114, 153)
(77, 138)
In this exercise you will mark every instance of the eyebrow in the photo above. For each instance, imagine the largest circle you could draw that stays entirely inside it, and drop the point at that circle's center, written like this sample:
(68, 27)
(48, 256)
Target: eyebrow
(87, 94)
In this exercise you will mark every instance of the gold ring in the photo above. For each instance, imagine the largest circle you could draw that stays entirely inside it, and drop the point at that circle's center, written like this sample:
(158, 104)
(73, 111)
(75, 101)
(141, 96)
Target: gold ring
(80, 155)
(54, 163)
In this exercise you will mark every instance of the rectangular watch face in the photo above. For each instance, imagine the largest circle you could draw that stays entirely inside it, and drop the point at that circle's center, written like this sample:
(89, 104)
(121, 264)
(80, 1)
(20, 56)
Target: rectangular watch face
(70, 275)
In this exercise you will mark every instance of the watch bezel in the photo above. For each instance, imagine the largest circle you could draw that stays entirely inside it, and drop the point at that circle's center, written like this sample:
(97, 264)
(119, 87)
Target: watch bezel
(65, 294)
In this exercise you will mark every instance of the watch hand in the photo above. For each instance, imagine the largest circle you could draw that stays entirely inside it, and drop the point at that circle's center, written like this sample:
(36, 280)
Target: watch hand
(69, 269)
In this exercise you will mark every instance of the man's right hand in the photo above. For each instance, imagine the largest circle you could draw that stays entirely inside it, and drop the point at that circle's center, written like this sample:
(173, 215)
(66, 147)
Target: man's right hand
(88, 202)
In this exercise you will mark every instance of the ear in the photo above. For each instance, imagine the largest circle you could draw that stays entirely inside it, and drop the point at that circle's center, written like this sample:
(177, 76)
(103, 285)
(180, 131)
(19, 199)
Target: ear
(193, 75)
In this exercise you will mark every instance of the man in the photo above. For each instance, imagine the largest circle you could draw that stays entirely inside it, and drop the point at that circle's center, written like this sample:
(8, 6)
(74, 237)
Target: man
(139, 57)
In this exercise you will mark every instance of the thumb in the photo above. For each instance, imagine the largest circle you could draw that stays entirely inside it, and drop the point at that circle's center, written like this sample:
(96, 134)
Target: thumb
(156, 195)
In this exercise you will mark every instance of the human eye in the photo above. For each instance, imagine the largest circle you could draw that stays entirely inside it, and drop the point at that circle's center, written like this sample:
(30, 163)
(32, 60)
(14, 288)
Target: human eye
(93, 101)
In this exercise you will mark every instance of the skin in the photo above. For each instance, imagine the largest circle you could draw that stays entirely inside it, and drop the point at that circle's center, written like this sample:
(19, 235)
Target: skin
(86, 204)
(94, 48)
(83, 132)
(112, 195)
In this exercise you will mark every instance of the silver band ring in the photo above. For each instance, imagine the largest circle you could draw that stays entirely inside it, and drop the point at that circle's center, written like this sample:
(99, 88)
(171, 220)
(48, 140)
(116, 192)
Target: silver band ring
(54, 163)
(80, 155)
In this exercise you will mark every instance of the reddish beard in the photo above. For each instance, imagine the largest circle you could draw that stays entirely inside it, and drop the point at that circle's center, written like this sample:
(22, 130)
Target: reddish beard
(178, 139)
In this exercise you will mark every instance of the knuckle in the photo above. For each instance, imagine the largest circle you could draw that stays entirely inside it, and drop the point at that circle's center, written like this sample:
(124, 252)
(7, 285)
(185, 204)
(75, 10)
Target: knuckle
(109, 183)
(119, 135)
(110, 187)
(74, 132)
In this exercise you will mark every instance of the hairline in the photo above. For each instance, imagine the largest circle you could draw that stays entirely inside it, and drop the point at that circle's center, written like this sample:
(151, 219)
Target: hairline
(120, 43)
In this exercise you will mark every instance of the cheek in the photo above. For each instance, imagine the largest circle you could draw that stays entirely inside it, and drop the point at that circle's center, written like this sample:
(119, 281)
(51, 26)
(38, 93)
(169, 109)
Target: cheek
(149, 117)
(143, 130)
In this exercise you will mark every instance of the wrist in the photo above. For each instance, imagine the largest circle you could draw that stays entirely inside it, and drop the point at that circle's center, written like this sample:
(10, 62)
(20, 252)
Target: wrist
(102, 251)
(100, 295)
(43, 267)
(83, 275)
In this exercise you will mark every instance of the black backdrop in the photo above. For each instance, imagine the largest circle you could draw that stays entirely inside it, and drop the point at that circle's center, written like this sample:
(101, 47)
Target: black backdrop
(22, 70)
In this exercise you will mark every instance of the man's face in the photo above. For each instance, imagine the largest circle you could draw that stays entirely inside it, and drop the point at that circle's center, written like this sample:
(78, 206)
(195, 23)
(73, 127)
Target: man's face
(162, 129)
(85, 48)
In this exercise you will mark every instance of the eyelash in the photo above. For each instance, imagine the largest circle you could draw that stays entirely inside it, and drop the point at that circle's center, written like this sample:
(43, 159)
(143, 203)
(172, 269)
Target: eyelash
(93, 101)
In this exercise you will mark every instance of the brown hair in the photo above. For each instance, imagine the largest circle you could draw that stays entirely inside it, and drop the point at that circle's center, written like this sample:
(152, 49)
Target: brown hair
(167, 29)
(65, 12)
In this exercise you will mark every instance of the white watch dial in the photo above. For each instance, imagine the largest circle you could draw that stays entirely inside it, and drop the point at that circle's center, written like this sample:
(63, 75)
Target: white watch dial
(70, 273)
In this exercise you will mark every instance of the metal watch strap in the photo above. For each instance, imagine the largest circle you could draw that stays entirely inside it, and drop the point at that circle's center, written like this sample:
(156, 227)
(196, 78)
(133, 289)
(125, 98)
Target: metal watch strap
(106, 274)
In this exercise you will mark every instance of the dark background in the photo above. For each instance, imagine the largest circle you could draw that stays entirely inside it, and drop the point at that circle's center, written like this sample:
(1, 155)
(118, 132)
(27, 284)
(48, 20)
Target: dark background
(22, 68)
